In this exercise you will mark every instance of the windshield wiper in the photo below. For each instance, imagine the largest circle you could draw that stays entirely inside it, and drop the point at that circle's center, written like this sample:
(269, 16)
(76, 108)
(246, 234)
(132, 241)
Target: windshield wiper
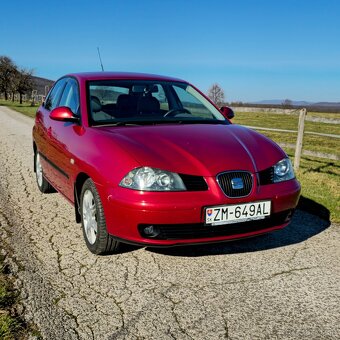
(127, 123)
(201, 121)
(144, 122)
(140, 122)
(166, 121)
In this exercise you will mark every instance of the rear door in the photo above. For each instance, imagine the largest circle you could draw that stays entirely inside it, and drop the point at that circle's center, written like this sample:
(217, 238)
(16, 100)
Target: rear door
(43, 136)
(64, 137)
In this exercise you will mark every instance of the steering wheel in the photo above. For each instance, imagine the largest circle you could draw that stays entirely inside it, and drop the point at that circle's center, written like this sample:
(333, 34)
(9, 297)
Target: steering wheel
(174, 112)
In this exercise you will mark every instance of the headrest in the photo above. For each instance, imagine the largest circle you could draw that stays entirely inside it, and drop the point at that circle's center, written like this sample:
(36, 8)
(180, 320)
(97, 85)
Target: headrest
(96, 106)
(126, 103)
(148, 104)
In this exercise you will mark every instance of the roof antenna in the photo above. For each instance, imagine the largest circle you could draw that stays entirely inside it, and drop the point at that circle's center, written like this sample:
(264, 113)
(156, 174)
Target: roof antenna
(100, 59)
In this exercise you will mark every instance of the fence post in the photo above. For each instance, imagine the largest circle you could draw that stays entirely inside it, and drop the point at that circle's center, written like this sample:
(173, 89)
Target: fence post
(299, 140)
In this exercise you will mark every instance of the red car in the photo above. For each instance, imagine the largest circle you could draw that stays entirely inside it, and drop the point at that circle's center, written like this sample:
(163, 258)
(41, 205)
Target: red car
(150, 160)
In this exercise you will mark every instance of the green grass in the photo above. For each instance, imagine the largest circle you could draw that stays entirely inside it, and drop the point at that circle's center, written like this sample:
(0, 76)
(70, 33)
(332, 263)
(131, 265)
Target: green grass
(320, 182)
(7, 296)
(25, 108)
(324, 114)
(11, 326)
(282, 121)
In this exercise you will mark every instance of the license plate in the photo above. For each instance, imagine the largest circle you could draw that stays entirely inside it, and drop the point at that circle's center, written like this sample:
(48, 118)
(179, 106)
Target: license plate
(237, 213)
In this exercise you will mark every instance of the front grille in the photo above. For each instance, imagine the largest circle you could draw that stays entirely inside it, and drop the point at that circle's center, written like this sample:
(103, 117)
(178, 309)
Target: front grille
(194, 183)
(225, 180)
(266, 176)
(199, 230)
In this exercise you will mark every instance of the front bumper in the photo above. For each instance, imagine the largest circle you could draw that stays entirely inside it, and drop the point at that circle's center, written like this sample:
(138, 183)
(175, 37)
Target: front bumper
(179, 216)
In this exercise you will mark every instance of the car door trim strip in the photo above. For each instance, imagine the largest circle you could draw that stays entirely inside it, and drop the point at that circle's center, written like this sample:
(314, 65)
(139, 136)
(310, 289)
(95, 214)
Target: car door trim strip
(54, 165)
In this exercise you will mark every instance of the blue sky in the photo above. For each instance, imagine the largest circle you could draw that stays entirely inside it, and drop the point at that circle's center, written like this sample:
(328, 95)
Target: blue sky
(255, 50)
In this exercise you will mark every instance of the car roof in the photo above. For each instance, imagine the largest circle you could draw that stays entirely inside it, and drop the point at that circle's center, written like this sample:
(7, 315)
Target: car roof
(84, 76)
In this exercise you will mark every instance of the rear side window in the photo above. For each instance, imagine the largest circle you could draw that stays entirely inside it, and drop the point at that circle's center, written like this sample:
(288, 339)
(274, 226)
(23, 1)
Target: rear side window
(70, 97)
(53, 97)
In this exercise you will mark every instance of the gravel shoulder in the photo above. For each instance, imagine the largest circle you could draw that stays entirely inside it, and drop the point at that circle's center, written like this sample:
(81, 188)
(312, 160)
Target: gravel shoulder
(284, 285)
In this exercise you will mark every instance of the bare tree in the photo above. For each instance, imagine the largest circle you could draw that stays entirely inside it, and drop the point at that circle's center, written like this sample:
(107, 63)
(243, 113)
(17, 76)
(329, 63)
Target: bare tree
(287, 104)
(216, 94)
(8, 72)
(24, 82)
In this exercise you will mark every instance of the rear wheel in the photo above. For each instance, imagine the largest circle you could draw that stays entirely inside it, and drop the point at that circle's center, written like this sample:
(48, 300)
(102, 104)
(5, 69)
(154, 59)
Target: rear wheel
(93, 221)
(42, 183)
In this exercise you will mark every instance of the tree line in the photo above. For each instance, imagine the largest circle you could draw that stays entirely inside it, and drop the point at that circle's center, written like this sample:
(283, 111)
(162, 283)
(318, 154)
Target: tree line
(14, 79)
(216, 94)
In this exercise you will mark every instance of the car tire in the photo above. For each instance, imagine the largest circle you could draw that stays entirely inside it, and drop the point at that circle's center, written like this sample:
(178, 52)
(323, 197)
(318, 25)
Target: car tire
(97, 239)
(43, 185)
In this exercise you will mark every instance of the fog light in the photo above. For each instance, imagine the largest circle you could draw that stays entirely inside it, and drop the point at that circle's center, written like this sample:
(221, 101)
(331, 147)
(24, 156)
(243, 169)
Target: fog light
(151, 231)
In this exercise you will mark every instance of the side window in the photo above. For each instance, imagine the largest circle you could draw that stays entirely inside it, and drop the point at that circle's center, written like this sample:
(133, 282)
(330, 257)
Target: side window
(70, 97)
(53, 97)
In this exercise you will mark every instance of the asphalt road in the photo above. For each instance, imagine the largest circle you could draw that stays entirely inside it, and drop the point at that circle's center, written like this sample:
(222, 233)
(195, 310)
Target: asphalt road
(284, 285)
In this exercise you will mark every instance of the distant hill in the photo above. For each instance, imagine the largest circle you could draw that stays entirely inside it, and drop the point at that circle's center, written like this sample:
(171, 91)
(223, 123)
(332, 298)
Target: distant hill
(268, 102)
(40, 84)
(332, 104)
(296, 103)
(314, 106)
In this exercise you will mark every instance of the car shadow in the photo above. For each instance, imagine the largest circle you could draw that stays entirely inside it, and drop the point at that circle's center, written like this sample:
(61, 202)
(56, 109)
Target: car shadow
(305, 224)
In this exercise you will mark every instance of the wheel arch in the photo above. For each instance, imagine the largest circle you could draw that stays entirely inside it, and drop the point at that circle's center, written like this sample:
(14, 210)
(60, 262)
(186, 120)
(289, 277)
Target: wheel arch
(78, 184)
(35, 152)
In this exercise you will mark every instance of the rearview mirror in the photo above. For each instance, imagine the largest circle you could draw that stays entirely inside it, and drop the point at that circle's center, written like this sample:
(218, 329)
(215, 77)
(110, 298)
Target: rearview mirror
(63, 114)
(227, 112)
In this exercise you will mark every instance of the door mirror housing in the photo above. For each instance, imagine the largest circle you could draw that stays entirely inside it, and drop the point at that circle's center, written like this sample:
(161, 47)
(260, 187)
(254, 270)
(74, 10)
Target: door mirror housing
(227, 112)
(63, 114)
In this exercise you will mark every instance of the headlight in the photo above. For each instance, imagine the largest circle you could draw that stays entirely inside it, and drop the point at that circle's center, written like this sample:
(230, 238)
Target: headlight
(151, 179)
(283, 170)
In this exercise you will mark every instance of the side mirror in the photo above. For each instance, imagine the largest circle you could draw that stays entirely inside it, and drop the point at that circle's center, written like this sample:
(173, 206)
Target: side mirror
(227, 112)
(63, 114)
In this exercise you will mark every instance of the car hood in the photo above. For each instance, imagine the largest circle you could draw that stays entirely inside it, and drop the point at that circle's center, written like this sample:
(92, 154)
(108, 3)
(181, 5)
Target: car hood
(197, 149)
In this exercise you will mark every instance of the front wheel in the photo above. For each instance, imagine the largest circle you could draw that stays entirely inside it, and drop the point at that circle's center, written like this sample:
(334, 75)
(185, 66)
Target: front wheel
(93, 221)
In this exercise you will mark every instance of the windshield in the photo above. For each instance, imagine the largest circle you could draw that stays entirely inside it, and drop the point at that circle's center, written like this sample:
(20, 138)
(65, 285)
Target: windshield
(119, 102)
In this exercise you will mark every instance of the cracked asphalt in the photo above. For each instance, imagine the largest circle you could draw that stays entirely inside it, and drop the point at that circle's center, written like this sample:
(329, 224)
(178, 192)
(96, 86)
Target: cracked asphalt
(284, 285)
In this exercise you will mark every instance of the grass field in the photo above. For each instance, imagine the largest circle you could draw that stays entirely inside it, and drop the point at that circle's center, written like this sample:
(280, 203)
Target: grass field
(25, 108)
(289, 122)
(324, 114)
(320, 181)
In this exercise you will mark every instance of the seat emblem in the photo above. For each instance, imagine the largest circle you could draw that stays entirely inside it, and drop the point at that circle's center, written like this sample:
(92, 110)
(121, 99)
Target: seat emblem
(237, 183)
